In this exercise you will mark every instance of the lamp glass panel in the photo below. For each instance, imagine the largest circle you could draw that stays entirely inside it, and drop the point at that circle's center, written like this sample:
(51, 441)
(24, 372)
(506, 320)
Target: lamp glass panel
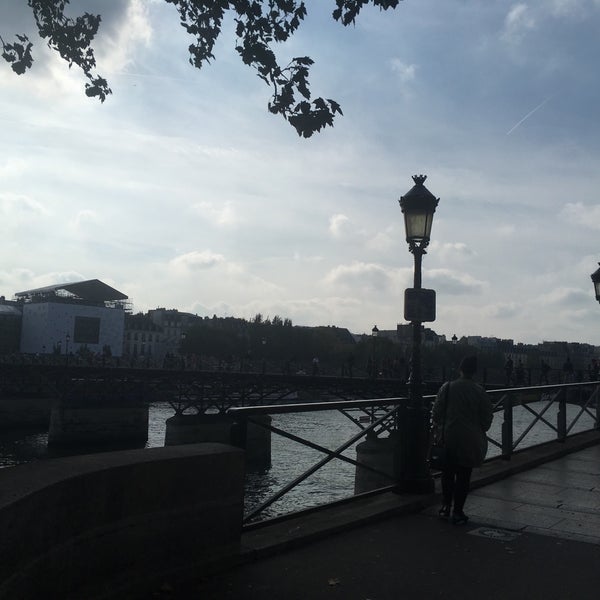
(418, 225)
(597, 289)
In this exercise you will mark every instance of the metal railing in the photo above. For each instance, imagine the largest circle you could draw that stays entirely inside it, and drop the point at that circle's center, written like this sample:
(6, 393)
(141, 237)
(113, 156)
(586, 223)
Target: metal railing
(378, 417)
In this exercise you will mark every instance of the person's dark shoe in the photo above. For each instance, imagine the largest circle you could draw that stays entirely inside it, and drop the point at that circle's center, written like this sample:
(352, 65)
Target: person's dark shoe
(444, 512)
(459, 518)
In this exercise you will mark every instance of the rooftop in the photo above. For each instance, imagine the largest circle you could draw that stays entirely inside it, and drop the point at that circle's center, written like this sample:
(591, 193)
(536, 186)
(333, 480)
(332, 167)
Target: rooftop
(92, 290)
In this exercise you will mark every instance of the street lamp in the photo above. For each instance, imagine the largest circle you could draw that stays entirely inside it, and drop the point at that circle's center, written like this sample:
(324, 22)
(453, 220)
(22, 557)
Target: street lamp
(418, 206)
(596, 281)
(374, 334)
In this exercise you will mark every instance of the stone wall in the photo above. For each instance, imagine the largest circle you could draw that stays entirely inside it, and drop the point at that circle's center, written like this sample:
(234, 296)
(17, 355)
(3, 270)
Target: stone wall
(95, 526)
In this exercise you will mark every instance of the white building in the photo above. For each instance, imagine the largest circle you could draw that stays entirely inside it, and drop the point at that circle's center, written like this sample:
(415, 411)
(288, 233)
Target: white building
(66, 317)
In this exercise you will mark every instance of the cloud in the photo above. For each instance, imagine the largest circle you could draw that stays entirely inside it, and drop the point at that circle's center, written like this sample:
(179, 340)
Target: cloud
(567, 297)
(451, 250)
(197, 260)
(404, 71)
(505, 230)
(366, 276)
(583, 215)
(115, 49)
(455, 283)
(82, 219)
(12, 167)
(571, 8)
(382, 241)
(220, 215)
(16, 209)
(517, 23)
(503, 310)
(338, 225)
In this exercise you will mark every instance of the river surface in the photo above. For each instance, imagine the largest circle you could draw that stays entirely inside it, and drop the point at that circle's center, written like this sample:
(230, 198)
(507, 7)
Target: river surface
(290, 459)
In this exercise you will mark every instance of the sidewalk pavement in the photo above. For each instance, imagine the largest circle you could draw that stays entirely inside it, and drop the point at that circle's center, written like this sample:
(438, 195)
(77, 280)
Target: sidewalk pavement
(393, 546)
(415, 557)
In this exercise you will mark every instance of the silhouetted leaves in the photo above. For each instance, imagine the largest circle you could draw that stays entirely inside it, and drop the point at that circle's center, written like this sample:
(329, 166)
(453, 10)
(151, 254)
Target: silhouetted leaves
(71, 38)
(259, 24)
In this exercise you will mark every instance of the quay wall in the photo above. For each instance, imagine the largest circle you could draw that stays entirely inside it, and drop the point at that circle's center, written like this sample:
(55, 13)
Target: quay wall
(98, 526)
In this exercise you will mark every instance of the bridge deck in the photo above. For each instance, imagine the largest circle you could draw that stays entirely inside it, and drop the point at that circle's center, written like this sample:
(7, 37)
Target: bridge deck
(529, 537)
(560, 498)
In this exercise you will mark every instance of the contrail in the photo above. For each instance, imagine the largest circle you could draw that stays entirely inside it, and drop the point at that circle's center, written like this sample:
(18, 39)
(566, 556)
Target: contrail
(528, 115)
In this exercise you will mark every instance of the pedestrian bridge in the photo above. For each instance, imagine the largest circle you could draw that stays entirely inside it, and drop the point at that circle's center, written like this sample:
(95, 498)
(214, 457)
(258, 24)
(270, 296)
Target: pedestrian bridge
(168, 518)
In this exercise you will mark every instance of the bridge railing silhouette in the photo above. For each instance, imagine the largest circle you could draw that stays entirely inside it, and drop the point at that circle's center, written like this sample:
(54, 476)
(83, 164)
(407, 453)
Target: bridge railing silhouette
(529, 416)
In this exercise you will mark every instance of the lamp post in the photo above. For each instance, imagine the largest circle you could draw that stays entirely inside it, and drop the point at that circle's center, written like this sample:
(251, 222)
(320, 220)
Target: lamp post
(596, 282)
(454, 342)
(412, 471)
(374, 334)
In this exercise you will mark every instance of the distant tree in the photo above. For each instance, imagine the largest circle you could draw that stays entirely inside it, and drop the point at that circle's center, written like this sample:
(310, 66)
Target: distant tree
(259, 25)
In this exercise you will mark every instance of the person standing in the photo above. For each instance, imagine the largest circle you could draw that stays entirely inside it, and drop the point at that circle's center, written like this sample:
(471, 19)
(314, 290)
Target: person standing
(465, 412)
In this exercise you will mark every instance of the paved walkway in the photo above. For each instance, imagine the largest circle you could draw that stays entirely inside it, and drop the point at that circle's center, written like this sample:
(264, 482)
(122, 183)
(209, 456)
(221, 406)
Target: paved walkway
(560, 498)
(534, 535)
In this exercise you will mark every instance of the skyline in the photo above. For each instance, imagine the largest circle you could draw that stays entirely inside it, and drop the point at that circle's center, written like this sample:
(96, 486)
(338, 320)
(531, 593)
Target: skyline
(182, 191)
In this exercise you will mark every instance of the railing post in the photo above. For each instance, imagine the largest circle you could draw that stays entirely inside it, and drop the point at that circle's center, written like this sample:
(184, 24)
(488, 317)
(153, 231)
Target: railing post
(561, 417)
(598, 407)
(507, 427)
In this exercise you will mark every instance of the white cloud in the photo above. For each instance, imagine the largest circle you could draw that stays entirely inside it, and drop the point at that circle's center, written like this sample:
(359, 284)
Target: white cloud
(116, 51)
(83, 219)
(583, 215)
(503, 310)
(197, 260)
(568, 297)
(382, 241)
(338, 225)
(223, 215)
(518, 22)
(16, 209)
(505, 230)
(451, 250)
(12, 167)
(451, 282)
(360, 275)
(405, 72)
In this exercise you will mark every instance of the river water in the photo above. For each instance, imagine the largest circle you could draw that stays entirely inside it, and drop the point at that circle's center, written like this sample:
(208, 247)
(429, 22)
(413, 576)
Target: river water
(330, 429)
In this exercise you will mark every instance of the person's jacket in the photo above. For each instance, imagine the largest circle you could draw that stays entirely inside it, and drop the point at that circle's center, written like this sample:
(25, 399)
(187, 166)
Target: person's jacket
(468, 416)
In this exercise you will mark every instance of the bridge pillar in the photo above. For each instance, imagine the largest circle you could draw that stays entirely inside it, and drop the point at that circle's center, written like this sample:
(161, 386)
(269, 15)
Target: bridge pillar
(377, 453)
(195, 428)
(88, 425)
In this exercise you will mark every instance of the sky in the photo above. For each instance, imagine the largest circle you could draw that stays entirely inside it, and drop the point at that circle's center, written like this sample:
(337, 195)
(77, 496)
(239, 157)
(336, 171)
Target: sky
(182, 191)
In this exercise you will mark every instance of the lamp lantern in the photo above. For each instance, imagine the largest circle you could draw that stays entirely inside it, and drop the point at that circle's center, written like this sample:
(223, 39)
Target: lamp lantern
(596, 282)
(418, 206)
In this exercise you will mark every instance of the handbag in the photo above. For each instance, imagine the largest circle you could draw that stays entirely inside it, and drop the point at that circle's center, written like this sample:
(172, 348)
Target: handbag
(438, 453)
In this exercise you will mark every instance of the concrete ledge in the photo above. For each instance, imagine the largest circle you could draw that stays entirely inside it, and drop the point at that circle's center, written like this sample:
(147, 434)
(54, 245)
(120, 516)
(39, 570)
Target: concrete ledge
(93, 526)
(305, 527)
